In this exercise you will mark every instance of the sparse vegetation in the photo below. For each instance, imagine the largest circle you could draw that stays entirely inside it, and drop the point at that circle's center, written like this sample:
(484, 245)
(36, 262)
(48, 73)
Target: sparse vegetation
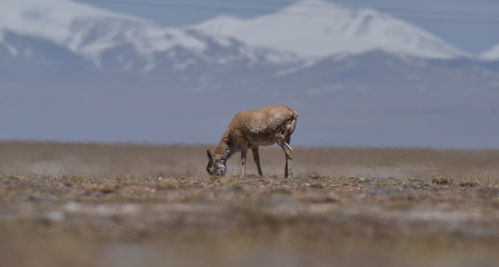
(145, 205)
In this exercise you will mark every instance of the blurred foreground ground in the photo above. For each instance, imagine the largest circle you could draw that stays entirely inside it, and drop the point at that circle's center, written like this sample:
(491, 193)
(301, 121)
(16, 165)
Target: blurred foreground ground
(144, 205)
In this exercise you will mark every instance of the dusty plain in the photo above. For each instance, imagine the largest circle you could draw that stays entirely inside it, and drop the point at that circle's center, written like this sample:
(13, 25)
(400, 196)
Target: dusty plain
(64, 204)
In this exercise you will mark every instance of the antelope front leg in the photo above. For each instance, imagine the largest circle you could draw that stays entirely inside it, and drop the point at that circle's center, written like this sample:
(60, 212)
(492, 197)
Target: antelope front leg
(243, 162)
(288, 169)
(256, 157)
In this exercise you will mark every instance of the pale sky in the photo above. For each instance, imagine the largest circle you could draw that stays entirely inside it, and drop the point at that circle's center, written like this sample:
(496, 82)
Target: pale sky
(472, 25)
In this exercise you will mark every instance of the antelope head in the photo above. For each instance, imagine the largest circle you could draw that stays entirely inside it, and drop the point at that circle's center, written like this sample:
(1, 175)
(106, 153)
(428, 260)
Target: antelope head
(216, 166)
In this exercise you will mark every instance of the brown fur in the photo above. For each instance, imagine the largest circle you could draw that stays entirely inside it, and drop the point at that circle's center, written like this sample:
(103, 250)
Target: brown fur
(253, 128)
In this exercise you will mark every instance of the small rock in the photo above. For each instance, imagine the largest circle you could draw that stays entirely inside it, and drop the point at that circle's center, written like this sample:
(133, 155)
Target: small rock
(56, 216)
(72, 206)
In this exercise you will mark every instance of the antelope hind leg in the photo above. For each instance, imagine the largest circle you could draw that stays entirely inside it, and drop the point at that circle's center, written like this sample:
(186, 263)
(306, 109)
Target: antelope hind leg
(288, 151)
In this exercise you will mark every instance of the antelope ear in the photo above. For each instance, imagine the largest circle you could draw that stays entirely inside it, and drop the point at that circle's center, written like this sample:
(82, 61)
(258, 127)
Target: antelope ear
(210, 156)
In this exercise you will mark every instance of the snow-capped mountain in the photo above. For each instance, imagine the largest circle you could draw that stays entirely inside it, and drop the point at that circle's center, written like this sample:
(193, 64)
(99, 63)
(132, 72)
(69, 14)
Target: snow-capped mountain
(317, 28)
(75, 72)
(491, 54)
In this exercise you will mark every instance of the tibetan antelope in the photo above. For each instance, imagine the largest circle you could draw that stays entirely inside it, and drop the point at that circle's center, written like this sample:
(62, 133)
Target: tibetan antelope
(250, 129)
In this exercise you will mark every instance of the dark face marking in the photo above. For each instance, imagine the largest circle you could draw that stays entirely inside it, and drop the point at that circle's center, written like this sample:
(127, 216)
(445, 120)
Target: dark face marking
(215, 167)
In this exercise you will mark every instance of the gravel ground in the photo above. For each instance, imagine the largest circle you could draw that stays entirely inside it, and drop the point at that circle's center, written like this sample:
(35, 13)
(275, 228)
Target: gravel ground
(185, 218)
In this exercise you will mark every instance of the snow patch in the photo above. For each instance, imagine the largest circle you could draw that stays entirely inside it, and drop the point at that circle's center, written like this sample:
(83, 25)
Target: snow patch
(491, 54)
(12, 50)
(295, 68)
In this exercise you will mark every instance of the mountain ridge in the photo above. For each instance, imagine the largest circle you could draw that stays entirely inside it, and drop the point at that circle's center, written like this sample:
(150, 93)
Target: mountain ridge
(332, 29)
(91, 32)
